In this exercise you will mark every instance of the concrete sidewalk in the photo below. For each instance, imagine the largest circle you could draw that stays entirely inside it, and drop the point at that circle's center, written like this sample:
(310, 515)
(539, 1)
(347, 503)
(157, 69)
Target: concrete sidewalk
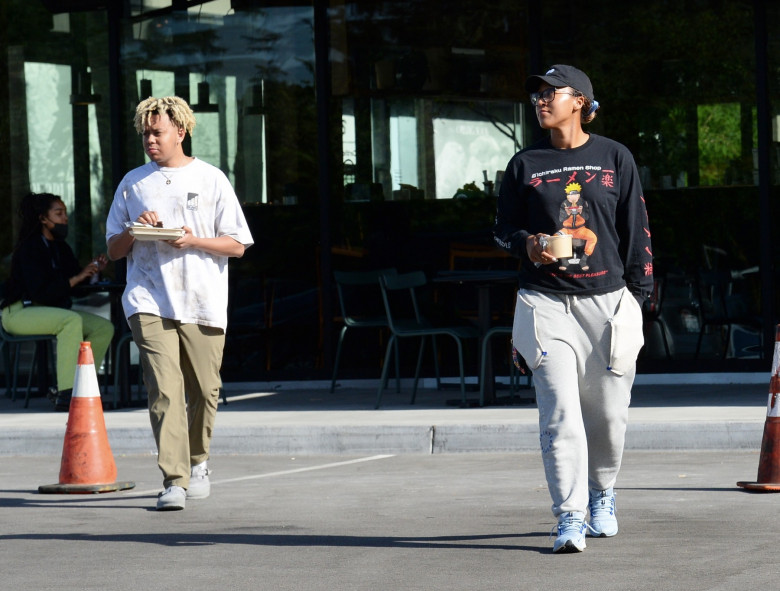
(296, 418)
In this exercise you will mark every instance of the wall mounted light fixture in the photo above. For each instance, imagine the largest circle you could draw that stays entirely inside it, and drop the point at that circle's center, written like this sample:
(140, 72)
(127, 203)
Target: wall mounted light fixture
(145, 89)
(203, 105)
(83, 94)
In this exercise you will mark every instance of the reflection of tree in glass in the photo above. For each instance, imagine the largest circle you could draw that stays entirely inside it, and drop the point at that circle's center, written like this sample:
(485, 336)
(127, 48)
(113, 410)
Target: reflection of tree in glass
(283, 59)
(664, 143)
(464, 23)
(507, 128)
(719, 143)
(171, 41)
(653, 64)
(262, 43)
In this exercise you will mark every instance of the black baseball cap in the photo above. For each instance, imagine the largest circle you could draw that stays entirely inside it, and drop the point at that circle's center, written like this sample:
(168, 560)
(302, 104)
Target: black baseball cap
(562, 75)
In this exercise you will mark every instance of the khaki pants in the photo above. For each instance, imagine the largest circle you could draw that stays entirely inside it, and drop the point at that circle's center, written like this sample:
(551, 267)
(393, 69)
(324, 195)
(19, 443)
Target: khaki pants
(181, 365)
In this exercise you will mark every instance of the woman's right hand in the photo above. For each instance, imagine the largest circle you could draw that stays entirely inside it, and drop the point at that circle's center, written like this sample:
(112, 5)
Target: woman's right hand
(87, 272)
(101, 261)
(536, 252)
(91, 269)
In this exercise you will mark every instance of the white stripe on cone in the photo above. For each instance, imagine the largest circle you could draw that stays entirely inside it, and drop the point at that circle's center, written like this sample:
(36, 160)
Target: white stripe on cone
(773, 405)
(85, 385)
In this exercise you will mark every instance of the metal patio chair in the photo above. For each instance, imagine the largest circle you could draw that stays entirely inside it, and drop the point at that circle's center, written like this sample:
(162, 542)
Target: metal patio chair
(413, 325)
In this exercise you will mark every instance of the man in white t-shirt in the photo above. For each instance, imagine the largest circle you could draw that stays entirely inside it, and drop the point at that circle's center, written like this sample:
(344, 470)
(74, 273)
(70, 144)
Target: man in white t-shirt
(177, 289)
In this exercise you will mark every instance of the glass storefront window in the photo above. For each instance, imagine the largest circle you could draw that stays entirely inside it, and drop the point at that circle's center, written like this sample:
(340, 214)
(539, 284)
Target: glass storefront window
(726, 150)
(51, 135)
(427, 106)
(427, 116)
(49, 95)
(677, 86)
(430, 106)
(247, 71)
(49, 129)
(244, 71)
(57, 99)
(473, 142)
(434, 116)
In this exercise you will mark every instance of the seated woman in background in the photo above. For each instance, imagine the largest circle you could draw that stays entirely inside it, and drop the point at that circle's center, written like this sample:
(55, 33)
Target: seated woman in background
(37, 300)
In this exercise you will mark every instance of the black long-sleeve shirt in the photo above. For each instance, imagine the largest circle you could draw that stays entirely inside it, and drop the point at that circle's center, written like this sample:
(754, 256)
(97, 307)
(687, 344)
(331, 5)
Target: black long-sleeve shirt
(40, 272)
(597, 186)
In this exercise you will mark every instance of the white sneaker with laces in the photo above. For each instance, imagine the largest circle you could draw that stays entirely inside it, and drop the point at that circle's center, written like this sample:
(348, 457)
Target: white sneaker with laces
(171, 499)
(200, 487)
(603, 519)
(571, 533)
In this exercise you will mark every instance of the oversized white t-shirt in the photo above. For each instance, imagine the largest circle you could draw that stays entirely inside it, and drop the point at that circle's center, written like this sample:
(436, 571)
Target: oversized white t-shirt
(187, 285)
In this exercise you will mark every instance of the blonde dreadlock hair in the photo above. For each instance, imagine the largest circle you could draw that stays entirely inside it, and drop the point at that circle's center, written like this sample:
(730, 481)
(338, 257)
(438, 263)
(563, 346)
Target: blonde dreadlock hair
(177, 109)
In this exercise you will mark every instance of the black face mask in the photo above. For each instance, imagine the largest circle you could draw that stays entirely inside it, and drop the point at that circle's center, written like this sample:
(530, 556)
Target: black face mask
(60, 231)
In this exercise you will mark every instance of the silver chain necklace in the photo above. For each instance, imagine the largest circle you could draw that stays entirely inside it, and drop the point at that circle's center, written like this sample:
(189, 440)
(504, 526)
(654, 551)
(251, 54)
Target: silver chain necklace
(167, 178)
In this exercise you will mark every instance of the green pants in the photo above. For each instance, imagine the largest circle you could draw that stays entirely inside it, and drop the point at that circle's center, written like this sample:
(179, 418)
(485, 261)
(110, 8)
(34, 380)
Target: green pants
(71, 328)
(181, 364)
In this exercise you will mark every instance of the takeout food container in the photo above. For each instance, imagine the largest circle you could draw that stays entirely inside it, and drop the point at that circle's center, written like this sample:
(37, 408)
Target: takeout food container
(149, 233)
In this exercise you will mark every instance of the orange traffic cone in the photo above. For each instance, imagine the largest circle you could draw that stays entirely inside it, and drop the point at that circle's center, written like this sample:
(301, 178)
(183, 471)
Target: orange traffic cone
(769, 463)
(87, 463)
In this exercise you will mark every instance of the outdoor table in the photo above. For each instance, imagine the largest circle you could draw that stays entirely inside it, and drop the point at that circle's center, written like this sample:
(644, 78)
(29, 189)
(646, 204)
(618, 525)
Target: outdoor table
(114, 290)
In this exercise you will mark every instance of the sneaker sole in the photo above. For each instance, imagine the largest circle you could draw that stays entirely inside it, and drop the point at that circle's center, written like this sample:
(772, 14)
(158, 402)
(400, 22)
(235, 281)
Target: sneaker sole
(170, 507)
(602, 535)
(569, 548)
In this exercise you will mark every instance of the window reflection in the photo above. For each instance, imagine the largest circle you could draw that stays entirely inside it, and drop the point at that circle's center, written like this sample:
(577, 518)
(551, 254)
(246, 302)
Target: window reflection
(246, 70)
(427, 104)
(49, 129)
(53, 122)
(473, 143)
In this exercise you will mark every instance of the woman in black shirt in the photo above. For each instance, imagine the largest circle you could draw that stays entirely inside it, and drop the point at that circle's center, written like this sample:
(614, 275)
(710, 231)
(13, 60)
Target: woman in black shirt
(578, 318)
(37, 299)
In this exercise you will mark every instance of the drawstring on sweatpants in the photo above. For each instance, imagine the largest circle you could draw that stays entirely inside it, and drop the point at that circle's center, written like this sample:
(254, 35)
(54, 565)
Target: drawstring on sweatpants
(570, 301)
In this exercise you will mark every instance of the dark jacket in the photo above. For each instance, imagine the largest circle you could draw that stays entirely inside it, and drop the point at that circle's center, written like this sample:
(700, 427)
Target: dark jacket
(40, 272)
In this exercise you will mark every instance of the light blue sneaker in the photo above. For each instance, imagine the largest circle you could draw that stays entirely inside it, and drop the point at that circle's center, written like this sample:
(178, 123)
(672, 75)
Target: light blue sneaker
(603, 521)
(571, 533)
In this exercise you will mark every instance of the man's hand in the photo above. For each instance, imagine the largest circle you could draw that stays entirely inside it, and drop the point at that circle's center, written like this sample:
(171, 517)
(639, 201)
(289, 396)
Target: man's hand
(188, 240)
(220, 246)
(149, 217)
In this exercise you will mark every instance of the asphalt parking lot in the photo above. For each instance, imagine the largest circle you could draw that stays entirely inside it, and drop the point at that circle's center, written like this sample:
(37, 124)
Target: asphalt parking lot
(388, 522)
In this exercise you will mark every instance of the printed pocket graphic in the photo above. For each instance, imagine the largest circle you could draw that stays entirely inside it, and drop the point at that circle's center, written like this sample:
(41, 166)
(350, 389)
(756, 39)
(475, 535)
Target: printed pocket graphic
(192, 201)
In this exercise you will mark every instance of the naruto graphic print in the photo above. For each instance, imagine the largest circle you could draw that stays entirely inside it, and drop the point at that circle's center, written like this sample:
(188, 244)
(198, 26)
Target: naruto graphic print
(574, 217)
(591, 193)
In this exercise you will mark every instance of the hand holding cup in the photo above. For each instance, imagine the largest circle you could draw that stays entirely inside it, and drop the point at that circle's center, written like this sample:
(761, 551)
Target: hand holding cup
(558, 245)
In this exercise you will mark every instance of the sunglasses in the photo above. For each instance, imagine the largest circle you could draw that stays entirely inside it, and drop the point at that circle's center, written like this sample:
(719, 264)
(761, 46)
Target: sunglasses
(548, 95)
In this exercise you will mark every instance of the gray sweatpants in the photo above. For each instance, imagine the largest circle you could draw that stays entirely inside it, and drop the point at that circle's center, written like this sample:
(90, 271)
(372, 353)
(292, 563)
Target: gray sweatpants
(582, 350)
